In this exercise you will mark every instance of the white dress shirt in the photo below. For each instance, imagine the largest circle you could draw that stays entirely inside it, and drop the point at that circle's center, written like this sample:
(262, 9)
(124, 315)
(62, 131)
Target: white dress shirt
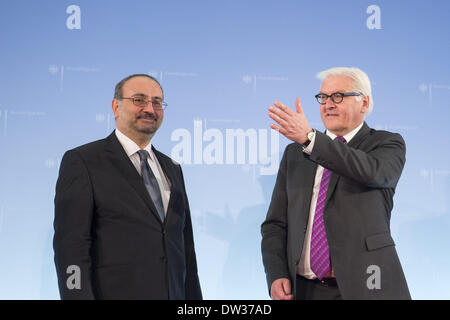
(131, 149)
(304, 266)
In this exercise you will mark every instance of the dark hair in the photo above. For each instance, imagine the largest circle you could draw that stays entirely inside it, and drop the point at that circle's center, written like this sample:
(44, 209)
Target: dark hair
(118, 90)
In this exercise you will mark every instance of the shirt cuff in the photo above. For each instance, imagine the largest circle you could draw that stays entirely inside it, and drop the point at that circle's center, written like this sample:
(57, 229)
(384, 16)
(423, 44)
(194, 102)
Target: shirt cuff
(310, 146)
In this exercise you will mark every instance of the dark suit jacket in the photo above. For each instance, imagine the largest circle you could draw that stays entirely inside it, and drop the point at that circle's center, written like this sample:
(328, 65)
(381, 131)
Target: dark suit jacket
(106, 223)
(357, 212)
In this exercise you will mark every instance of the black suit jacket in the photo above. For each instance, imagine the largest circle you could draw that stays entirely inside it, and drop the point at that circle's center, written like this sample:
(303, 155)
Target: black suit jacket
(107, 225)
(357, 212)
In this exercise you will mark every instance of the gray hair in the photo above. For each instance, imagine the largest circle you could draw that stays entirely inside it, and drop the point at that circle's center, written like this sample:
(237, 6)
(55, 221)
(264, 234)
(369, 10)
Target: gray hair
(361, 82)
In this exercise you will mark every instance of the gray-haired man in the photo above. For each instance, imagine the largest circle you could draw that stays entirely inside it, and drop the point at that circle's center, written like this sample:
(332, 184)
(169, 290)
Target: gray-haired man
(327, 233)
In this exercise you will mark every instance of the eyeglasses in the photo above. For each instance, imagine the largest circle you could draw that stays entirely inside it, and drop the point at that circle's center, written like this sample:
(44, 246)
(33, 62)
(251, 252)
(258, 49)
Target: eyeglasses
(336, 97)
(143, 102)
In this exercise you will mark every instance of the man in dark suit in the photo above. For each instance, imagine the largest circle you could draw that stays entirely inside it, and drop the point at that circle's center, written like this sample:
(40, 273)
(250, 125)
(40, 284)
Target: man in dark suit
(122, 221)
(327, 230)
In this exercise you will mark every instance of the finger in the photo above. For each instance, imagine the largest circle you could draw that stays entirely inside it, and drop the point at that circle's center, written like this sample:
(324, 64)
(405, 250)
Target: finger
(298, 106)
(276, 291)
(280, 112)
(281, 130)
(286, 287)
(275, 127)
(278, 119)
(283, 291)
(277, 294)
(283, 107)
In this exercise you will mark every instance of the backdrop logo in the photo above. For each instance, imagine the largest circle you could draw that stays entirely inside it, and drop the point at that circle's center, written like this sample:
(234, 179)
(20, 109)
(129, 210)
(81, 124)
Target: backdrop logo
(105, 119)
(51, 163)
(54, 70)
(253, 79)
(227, 147)
(396, 127)
(6, 115)
(73, 21)
(431, 175)
(162, 74)
(374, 20)
(428, 89)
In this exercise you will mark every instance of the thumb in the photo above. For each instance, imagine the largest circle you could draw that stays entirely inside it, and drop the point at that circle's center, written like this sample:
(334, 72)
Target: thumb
(286, 286)
(298, 106)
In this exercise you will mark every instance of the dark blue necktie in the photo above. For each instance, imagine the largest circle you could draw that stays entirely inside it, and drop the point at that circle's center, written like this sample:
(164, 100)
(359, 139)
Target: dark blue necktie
(150, 183)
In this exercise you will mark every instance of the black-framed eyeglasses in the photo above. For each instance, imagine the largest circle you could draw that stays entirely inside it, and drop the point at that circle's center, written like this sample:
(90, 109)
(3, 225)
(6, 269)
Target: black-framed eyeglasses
(336, 97)
(143, 102)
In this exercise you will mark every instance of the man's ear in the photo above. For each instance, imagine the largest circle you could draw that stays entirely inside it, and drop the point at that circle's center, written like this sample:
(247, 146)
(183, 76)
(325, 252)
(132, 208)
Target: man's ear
(365, 104)
(115, 107)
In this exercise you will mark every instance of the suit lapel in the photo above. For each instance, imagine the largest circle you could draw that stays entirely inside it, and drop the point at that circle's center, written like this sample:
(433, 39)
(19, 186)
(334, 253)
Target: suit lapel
(354, 143)
(331, 186)
(309, 174)
(360, 136)
(305, 172)
(117, 155)
(166, 166)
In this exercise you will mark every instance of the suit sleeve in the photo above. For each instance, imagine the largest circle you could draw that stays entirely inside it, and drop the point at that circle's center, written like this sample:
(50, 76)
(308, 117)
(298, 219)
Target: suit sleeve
(192, 284)
(74, 208)
(274, 230)
(380, 167)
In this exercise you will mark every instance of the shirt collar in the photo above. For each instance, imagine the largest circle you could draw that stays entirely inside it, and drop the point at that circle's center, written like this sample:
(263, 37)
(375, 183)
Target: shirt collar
(129, 145)
(349, 136)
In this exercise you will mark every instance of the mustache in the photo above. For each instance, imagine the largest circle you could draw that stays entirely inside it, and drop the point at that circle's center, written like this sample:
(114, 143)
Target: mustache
(147, 115)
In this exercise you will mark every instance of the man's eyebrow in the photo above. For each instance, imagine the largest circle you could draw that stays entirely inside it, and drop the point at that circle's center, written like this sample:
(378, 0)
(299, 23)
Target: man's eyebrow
(339, 91)
(146, 96)
(139, 95)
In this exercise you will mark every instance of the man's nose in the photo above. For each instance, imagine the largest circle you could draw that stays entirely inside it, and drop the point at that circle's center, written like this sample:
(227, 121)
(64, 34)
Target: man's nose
(149, 108)
(329, 104)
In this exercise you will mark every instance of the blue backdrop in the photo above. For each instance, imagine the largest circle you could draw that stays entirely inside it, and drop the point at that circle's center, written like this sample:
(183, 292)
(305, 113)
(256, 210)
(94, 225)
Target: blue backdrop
(221, 64)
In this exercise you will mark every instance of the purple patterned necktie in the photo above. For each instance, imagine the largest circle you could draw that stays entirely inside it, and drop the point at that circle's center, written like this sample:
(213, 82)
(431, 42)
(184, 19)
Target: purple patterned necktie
(320, 255)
